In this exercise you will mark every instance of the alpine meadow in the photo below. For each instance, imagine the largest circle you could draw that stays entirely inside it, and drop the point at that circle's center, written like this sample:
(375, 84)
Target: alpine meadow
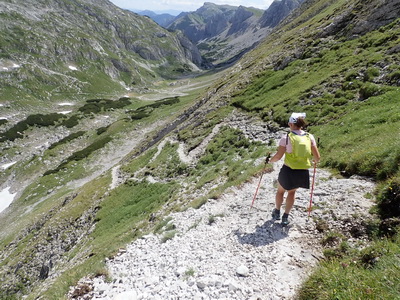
(114, 131)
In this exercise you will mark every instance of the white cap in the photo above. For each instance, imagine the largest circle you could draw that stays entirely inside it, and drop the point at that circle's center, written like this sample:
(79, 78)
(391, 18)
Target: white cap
(293, 118)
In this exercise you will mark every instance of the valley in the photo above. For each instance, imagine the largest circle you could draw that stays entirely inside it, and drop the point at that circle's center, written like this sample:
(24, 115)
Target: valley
(33, 147)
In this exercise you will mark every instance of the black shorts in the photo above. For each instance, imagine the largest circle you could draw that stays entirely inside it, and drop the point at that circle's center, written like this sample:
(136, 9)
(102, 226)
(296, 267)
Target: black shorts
(291, 179)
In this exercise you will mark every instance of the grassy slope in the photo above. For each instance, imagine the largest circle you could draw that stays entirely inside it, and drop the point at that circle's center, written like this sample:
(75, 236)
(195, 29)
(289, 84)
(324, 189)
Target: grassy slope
(345, 89)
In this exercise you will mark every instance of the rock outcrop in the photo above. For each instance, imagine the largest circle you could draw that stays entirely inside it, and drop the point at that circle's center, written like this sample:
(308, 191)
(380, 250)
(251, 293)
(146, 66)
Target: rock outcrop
(278, 11)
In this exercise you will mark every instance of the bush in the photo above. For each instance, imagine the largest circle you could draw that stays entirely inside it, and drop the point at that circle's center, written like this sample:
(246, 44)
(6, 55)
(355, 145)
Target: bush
(137, 115)
(70, 122)
(370, 74)
(79, 155)
(394, 77)
(102, 130)
(369, 90)
(39, 120)
(67, 139)
(389, 199)
(98, 105)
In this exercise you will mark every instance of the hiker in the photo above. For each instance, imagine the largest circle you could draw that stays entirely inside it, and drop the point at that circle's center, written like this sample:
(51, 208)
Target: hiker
(299, 147)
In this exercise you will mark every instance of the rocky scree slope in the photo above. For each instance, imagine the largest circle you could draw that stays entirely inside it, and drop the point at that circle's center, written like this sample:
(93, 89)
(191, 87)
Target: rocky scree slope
(53, 49)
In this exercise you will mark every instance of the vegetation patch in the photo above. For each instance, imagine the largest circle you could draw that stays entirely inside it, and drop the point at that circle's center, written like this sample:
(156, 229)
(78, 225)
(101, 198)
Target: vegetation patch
(146, 110)
(388, 199)
(82, 154)
(67, 139)
(39, 120)
(98, 105)
(71, 121)
(102, 129)
(371, 273)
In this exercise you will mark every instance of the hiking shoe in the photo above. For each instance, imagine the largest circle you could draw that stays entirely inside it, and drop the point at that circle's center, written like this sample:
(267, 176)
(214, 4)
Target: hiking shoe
(276, 214)
(285, 219)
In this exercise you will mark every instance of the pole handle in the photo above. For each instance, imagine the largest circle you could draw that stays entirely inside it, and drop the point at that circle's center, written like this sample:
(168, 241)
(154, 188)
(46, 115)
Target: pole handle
(267, 157)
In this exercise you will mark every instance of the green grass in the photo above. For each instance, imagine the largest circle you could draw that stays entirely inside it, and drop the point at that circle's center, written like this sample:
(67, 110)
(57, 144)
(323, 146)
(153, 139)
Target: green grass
(124, 207)
(351, 110)
(364, 140)
(371, 273)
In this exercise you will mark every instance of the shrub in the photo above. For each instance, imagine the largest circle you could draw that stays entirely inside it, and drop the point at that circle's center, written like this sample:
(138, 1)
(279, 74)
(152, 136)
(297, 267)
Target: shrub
(67, 139)
(77, 156)
(70, 122)
(137, 115)
(101, 130)
(370, 74)
(394, 77)
(388, 200)
(369, 90)
(39, 120)
(351, 75)
(43, 120)
(98, 105)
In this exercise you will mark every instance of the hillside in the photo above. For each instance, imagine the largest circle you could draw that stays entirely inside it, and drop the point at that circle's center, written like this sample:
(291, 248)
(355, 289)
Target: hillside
(111, 172)
(53, 50)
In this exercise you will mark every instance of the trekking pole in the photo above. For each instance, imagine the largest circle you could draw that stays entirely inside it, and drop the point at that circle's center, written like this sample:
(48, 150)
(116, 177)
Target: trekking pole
(265, 165)
(312, 189)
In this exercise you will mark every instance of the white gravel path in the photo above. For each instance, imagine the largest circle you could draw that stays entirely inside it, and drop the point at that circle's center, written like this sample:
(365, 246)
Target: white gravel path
(225, 250)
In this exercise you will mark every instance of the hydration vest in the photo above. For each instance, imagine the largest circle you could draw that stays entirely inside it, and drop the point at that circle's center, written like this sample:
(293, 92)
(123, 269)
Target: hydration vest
(301, 155)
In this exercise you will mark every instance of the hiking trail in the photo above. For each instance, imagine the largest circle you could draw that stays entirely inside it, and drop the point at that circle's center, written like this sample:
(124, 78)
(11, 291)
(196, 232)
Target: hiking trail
(225, 250)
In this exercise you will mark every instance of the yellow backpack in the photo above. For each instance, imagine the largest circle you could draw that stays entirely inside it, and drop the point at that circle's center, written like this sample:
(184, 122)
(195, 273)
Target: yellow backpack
(301, 155)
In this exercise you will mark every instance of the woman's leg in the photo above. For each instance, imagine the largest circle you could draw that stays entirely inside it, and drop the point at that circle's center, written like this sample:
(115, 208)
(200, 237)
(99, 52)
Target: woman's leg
(279, 197)
(290, 200)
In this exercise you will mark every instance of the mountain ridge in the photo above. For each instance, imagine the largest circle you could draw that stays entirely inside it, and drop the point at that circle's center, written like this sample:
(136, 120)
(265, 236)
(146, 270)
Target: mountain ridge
(223, 32)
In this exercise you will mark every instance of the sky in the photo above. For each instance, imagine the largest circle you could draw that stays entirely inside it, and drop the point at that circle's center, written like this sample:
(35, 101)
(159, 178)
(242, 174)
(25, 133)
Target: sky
(184, 5)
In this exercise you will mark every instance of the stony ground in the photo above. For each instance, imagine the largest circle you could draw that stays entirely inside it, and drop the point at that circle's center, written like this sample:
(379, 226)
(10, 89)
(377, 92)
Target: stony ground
(228, 250)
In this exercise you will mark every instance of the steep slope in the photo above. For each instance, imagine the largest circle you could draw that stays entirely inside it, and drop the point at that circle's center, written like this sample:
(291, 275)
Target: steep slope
(54, 49)
(331, 60)
(221, 31)
(346, 79)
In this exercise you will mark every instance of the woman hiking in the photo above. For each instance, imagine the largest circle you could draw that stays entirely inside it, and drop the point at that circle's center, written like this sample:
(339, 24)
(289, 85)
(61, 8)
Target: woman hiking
(298, 147)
